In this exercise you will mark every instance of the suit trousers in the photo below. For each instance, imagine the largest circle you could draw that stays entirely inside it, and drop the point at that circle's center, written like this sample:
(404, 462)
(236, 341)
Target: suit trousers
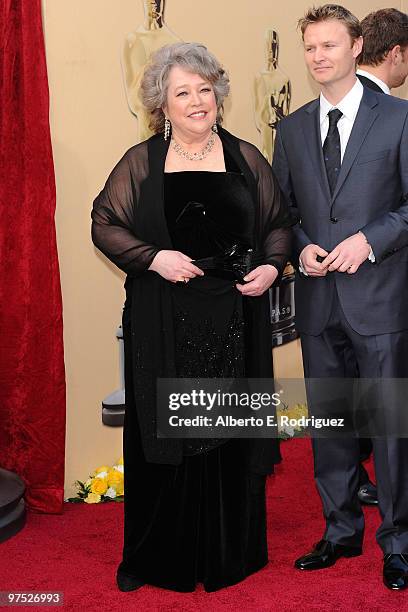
(340, 352)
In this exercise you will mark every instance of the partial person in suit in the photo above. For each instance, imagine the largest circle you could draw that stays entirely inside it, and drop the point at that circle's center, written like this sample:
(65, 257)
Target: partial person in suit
(342, 163)
(383, 65)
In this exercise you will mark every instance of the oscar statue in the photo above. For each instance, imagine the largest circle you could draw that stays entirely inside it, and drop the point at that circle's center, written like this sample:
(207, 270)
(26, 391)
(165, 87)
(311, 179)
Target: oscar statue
(137, 49)
(272, 95)
(272, 91)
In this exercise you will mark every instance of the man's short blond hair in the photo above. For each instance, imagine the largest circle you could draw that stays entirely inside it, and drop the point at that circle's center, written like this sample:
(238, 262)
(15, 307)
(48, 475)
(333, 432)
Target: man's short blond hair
(331, 12)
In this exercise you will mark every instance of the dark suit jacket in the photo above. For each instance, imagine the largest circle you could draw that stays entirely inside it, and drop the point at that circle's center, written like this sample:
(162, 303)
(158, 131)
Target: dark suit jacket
(371, 195)
(369, 83)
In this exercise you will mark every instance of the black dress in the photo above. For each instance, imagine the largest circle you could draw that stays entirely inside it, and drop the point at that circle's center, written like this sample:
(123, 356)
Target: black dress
(194, 511)
(203, 521)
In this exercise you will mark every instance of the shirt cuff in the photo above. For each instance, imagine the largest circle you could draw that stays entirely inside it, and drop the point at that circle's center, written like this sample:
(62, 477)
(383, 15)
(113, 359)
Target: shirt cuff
(301, 268)
(371, 256)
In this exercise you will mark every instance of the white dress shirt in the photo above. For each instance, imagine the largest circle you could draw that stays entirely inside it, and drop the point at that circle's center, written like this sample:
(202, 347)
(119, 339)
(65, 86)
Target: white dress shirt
(349, 106)
(375, 80)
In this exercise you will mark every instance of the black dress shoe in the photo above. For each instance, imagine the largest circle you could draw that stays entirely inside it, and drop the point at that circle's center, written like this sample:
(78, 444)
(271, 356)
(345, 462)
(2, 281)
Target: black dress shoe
(325, 554)
(367, 494)
(395, 573)
(127, 583)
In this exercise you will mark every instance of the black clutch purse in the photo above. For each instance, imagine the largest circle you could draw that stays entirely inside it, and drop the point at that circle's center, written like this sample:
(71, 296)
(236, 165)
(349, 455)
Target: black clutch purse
(235, 263)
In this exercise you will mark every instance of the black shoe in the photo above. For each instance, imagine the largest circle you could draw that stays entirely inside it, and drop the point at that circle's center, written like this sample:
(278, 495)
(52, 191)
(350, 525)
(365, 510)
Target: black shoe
(367, 494)
(127, 583)
(395, 572)
(325, 554)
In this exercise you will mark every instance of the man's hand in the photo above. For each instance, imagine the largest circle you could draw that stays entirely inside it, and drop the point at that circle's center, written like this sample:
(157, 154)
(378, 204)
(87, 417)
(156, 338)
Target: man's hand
(348, 255)
(258, 280)
(309, 262)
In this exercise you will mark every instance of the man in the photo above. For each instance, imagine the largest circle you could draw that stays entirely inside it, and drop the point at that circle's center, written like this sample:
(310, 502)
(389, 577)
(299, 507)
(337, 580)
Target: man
(383, 65)
(342, 163)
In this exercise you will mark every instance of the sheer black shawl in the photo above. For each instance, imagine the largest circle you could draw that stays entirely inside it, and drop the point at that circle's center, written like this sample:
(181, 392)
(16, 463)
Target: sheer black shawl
(129, 227)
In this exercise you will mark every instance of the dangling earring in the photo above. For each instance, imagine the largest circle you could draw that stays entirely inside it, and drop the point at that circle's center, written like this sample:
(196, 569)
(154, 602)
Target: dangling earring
(167, 126)
(215, 128)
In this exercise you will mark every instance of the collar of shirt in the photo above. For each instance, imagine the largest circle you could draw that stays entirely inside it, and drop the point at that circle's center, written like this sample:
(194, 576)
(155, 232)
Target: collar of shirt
(375, 80)
(348, 105)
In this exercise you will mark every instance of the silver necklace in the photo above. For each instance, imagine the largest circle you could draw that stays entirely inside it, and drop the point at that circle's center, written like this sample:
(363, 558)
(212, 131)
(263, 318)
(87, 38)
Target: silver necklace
(194, 156)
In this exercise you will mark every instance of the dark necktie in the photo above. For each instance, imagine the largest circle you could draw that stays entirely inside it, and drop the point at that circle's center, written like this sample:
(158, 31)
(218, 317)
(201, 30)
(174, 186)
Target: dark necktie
(331, 149)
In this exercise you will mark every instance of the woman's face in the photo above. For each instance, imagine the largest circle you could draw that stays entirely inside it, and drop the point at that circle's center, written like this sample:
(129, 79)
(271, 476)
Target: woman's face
(191, 105)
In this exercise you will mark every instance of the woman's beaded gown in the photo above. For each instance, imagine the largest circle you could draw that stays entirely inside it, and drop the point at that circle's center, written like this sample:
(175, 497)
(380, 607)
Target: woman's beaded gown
(203, 521)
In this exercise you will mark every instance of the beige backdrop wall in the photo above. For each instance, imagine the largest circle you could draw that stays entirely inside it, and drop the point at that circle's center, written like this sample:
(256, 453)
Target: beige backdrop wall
(92, 127)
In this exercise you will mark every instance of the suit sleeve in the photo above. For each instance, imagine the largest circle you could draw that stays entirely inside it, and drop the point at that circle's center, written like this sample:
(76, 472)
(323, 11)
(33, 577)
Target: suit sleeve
(389, 233)
(280, 166)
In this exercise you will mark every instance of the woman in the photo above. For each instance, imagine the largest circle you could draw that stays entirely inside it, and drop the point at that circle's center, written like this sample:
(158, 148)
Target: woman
(194, 509)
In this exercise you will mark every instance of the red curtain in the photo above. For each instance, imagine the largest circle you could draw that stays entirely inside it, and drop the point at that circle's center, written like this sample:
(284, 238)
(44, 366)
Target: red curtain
(32, 380)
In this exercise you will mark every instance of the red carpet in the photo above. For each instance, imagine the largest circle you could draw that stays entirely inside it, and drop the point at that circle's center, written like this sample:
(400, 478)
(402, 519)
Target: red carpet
(78, 552)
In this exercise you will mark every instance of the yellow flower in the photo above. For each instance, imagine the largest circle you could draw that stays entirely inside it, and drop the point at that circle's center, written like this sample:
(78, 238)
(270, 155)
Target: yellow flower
(103, 468)
(120, 461)
(120, 491)
(301, 409)
(115, 480)
(92, 498)
(99, 486)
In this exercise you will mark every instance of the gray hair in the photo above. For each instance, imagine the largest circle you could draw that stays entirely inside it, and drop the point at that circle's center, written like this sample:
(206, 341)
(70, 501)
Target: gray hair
(193, 57)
